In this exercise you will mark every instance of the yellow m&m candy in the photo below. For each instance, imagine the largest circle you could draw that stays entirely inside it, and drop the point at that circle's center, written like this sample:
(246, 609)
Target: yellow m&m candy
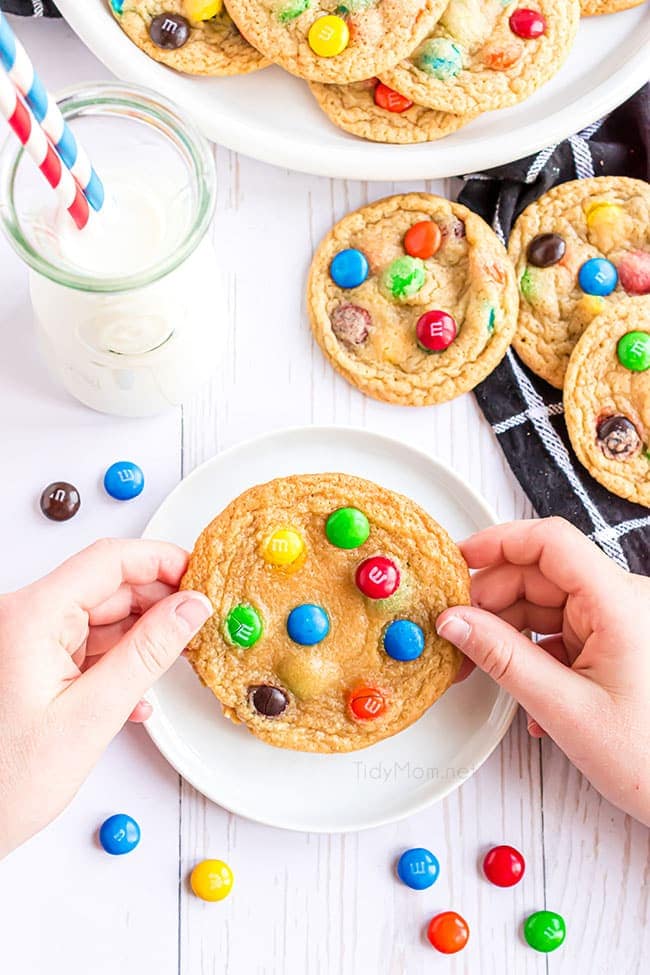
(211, 880)
(203, 9)
(283, 547)
(328, 36)
(604, 213)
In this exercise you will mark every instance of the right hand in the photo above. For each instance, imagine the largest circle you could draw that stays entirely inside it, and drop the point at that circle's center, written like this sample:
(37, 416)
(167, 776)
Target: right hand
(587, 685)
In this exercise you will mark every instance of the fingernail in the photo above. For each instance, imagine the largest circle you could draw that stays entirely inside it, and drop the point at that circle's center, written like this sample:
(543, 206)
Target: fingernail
(455, 629)
(194, 610)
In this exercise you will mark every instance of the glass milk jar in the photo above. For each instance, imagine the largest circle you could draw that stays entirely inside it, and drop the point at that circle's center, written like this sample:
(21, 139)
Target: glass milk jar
(128, 311)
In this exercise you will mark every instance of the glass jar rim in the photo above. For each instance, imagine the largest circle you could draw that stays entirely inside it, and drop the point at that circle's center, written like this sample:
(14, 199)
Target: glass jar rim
(165, 115)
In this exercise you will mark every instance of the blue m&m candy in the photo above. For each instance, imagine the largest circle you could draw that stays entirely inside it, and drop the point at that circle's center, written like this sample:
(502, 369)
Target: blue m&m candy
(308, 624)
(124, 480)
(418, 868)
(119, 834)
(349, 268)
(598, 277)
(403, 640)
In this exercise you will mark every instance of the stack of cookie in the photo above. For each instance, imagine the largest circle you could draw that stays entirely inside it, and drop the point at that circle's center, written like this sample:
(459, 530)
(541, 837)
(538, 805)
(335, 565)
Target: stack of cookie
(582, 259)
(398, 71)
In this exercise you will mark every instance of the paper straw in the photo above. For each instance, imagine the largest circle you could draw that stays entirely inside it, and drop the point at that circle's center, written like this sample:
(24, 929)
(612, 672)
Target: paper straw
(17, 63)
(41, 151)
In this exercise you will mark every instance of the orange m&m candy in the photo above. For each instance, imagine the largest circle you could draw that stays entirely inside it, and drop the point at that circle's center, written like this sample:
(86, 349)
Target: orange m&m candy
(448, 932)
(367, 703)
(391, 100)
(422, 239)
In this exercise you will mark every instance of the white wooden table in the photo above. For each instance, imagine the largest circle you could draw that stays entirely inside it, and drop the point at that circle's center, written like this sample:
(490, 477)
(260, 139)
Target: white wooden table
(302, 904)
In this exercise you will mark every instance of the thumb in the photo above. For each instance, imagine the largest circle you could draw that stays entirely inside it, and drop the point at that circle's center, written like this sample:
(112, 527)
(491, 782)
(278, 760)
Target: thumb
(554, 695)
(109, 690)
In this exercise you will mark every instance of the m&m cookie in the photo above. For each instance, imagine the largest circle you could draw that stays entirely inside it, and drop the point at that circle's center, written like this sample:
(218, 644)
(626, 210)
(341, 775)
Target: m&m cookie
(333, 647)
(194, 36)
(323, 40)
(436, 311)
(592, 7)
(607, 400)
(580, 249)
(375, 111)
(487, 54)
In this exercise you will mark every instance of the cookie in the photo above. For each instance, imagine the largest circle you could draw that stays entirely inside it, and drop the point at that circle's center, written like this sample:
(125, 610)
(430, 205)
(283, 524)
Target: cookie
(607, 400)
(323, 40)
(412, 299)
(326, 589)
(580, 247)
(484, 54)
(194, 36)
(373, 111)
(591, 7)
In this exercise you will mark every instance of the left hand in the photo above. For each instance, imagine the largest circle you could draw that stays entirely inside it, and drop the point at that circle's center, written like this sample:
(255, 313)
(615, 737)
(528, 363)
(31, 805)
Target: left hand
(78, 649)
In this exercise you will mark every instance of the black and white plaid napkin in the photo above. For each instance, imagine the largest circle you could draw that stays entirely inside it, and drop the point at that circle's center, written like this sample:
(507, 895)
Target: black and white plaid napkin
(30, 8)
(526, 413)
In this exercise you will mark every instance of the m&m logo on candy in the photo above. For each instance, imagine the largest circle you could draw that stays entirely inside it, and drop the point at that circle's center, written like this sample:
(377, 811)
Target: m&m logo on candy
(367, 703)
(328, 36)
(377, 577)
(435, 331)
(391, 100)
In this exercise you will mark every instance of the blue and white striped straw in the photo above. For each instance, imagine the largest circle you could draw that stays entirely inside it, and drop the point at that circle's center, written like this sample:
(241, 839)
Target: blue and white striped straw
(17, 63)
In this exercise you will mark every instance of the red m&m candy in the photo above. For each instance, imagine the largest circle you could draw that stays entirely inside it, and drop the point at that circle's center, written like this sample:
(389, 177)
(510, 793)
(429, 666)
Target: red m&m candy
(377, 577)
(391, 100)
(422, 239)
(504, 866)
(367, 703)
(435, 331)
(527, 23)
(448, 932)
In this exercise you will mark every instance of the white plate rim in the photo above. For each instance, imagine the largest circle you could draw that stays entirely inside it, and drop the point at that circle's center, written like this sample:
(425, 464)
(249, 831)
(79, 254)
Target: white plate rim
(355, 162)
(510, 705)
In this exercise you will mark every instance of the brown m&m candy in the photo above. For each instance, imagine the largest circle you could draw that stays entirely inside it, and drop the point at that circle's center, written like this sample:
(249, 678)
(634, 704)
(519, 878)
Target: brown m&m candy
(60, 501)
(618, 438)
(350, 323)
(546, 250)
(169, 31)
(267, 700)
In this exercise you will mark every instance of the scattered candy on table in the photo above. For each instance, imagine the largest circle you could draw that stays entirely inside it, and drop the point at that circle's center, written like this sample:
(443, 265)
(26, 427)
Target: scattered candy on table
(404, 640)
(435, 331)
(598, 276)
(448, 932)
(633, 351)
(308, 624)
(418, 868)
(349, 268)
(119, 834)
(545, 930)
(211, 880)
(504, 866)
(328, 36)
(124, 480)
(60, 501)
(377, 577)
(347, 528)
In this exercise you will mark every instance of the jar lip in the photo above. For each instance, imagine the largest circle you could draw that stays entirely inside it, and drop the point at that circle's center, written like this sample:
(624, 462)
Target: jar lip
(166, 115)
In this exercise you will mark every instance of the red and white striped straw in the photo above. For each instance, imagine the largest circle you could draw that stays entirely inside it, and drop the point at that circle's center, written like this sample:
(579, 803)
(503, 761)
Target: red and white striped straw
(37, 146)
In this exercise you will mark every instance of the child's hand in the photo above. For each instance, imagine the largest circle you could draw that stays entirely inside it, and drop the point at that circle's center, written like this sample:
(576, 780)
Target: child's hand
(76, 655)
(588, 685)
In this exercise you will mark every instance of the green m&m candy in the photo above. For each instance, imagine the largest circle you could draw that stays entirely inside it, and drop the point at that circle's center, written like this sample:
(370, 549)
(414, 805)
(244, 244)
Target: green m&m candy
(544, 930)
(403, 277)
(633, 351)
(347, 528)
(243, 625)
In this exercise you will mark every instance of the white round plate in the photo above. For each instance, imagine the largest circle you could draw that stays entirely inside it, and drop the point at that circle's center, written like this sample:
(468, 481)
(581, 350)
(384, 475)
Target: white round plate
(272, 116)
(299, 790)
